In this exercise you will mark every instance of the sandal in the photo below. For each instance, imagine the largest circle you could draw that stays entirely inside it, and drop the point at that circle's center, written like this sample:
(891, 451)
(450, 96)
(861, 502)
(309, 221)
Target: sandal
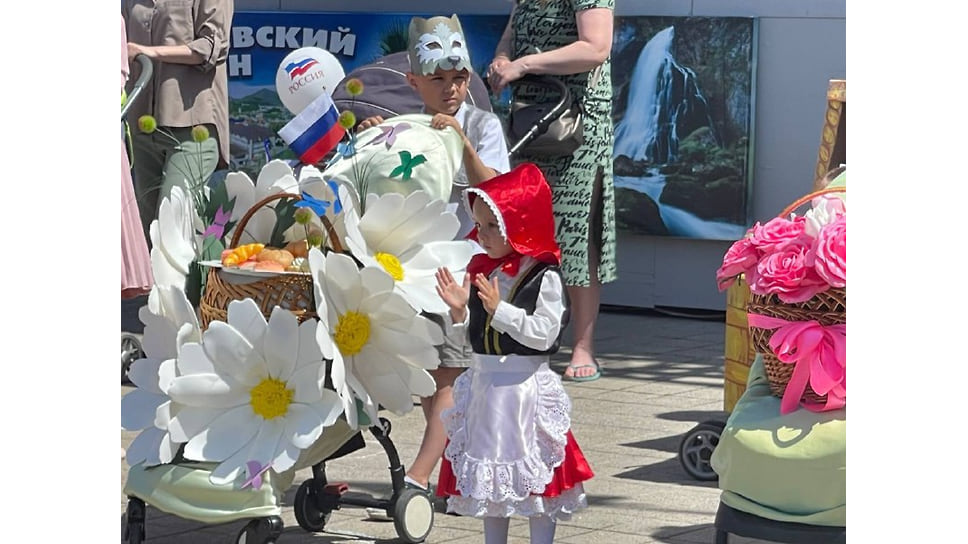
(589, 378)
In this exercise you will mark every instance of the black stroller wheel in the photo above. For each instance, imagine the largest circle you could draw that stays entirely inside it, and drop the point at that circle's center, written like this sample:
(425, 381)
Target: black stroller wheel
(696, 450)
(308, 514)
(260, 531)
(413, 516)
(134, 529)
(130, 352)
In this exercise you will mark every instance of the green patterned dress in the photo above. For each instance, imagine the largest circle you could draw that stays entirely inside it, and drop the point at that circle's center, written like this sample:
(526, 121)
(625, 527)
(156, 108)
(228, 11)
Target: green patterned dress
(548, 25)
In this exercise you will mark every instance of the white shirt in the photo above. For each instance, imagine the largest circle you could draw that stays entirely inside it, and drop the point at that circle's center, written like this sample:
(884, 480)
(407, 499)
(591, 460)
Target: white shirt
(538, 330)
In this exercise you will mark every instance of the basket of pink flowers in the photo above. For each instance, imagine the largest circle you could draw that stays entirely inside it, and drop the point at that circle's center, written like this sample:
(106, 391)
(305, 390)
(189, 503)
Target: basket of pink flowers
(796, 268)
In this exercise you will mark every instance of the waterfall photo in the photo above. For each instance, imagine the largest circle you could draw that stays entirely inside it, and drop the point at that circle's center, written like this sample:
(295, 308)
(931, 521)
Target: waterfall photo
(682, 110)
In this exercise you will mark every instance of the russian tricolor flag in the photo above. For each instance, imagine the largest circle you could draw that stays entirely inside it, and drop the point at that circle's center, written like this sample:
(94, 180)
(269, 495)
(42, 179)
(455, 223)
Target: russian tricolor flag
(315, 131)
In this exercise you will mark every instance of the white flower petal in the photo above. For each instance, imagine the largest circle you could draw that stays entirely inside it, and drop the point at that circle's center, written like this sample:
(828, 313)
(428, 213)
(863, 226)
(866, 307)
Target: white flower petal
(138, 409)
(307, 383)
(421, 298)
(375, 280)
(193, 360)
(239, 186)
(225, 435)
(146, 447)
(310, 351)
(275, 172)
(175, 229)
(342, 283)
(268, 443)
(206, 391)
(144, 374)
(281, 345)
(189, 421)
(303, 425)
(228, 350)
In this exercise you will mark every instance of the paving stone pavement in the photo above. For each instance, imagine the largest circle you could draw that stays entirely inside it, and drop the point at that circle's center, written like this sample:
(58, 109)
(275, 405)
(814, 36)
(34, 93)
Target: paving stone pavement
(662, 375)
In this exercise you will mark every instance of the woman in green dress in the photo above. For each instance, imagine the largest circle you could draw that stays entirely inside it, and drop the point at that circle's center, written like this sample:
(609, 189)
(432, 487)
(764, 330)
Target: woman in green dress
(572, 40)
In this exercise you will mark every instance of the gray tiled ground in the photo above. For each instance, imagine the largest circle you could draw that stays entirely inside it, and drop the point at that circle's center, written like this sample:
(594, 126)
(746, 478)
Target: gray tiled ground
(663, 375)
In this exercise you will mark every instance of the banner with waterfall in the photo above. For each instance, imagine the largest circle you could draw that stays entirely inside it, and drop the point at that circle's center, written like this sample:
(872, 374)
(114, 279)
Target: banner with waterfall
(683, 105)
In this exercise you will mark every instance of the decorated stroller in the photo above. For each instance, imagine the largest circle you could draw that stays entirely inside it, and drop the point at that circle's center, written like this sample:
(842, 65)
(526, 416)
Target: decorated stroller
(274, 370)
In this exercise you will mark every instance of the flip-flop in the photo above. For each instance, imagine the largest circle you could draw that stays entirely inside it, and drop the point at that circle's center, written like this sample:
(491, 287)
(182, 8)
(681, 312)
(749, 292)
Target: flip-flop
(589, 378)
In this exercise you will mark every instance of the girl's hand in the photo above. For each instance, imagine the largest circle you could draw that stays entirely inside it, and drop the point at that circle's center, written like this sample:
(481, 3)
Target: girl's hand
(489, 292)
(453, 294)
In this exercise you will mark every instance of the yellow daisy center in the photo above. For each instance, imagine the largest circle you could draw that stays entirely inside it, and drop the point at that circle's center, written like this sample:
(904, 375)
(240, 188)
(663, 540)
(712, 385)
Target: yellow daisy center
(391, 264)
(270, 398)
(352, 333)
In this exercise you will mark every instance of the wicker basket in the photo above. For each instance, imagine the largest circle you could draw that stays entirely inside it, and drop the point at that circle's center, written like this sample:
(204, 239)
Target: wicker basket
(826, 308)
(293, 292)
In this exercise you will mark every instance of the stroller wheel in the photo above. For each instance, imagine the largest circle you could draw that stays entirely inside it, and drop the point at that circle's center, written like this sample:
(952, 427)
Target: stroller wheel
(305, 506)
(261, 531)
(413, 516)
(130, 352)
(696, 449)
(134, 530)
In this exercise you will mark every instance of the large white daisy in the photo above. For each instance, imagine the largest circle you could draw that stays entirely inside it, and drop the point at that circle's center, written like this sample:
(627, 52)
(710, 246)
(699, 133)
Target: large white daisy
(251, 393)
(170, 323)
(385, 345)
(409, 237)
(275, 177)
(173, 239)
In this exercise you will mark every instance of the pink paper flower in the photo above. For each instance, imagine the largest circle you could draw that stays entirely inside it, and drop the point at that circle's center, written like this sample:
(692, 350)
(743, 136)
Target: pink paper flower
(789, 273)
(777, 233)
(740, 259)
(830, 252)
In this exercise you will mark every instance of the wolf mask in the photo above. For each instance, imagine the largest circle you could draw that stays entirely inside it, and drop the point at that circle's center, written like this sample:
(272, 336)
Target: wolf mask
(435, 43)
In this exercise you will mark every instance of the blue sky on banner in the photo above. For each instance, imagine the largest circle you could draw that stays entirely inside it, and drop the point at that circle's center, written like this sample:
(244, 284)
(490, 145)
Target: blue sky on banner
(260, 40)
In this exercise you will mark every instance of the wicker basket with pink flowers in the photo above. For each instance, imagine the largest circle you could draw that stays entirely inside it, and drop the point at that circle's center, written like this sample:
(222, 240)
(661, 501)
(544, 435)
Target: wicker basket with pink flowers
(796, 268)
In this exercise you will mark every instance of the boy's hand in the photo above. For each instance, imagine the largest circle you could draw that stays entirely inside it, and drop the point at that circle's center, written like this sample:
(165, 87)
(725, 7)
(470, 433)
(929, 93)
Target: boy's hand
(453, 294)
(441, 121)
(489, 292)
(369, 122)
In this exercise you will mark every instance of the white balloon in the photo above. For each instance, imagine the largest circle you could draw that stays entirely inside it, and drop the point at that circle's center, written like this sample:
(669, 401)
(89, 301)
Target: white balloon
(304, 75)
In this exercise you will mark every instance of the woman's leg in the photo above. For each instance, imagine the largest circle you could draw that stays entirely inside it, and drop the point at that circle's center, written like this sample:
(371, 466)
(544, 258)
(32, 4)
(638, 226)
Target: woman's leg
(542, 529)
(585, 300)
(496, 530)
(434, 438)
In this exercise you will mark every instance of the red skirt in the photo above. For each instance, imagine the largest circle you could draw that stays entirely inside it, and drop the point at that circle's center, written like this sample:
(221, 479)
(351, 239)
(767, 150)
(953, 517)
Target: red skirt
(572, 471)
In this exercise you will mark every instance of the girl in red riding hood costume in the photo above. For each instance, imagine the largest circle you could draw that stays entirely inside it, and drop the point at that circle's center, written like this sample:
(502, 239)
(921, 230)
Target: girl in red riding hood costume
(510, 449)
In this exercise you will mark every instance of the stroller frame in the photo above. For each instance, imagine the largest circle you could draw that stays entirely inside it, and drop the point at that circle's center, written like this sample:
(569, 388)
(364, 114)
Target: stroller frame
(316, 499)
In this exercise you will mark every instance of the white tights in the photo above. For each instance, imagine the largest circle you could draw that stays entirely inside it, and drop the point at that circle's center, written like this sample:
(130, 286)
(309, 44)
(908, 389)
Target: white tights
(542, 530)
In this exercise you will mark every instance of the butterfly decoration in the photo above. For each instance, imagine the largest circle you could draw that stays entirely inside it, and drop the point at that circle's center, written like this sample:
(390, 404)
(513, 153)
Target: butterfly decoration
(317, 206)
(337, 204)
(389, 134)
(217, 228)
(255, 470)
(407, 164)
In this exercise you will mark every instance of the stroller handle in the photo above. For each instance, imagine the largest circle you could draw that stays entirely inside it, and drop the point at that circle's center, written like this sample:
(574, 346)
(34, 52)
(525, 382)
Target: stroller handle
(139, 84)
(555, 112)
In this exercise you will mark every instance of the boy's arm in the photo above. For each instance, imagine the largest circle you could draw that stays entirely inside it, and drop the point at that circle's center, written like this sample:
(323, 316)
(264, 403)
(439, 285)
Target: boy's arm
(490, 157)
(540, 329)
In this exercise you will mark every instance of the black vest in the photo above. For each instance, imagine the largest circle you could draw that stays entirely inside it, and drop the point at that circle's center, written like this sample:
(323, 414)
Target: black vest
(524, 294)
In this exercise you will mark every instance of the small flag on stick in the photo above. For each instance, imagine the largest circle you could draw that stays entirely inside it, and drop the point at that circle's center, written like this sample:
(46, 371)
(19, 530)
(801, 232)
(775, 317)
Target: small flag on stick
(314, 132)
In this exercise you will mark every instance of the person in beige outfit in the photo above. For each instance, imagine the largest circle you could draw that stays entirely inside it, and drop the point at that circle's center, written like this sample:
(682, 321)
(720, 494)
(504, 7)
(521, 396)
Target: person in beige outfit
(188, 43)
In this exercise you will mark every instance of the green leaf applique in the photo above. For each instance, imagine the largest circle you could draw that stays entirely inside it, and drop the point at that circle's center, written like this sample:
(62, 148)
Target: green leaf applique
(407, 163)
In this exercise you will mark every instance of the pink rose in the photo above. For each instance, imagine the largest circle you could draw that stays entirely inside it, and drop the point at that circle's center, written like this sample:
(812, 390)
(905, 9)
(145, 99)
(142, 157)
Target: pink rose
(740, 259)
(789, 273)
(776, 233)
(830, 252)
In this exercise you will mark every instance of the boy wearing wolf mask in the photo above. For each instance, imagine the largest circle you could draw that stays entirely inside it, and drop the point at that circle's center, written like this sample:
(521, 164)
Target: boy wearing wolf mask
(440, 70)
